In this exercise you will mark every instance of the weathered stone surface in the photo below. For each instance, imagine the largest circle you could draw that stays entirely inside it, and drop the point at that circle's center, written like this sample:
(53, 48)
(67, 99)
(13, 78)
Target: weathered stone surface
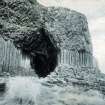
(41, 32)
(22, 23)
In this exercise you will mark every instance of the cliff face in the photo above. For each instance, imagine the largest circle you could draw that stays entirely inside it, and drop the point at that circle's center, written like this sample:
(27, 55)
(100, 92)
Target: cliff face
(22, 23)
(41, 33)
(70, 30)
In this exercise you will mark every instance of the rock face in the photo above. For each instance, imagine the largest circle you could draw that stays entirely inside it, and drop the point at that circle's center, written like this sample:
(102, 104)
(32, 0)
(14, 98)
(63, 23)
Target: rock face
(22, 23)
(12, 61)
(41, 33)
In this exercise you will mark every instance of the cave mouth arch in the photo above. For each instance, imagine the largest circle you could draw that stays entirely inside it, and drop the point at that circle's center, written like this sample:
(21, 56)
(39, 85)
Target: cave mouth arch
(42, 52)
(46, 57)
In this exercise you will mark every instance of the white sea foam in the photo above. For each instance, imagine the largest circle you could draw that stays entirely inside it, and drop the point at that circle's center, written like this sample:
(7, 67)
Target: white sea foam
(22, 90)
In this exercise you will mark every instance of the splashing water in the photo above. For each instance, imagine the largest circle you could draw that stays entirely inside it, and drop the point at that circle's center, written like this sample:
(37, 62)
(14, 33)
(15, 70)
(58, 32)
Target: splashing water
(21, 91)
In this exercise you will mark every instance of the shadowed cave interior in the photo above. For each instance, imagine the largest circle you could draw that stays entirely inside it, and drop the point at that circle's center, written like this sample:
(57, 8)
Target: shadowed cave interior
(41, 50)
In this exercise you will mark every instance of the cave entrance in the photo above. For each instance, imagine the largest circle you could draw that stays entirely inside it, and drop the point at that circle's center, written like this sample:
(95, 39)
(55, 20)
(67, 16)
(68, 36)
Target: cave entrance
(42, 52)
(46, 57)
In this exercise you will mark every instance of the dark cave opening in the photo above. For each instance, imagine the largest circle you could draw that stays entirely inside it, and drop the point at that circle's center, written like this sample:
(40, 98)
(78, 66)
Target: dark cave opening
(45, 60)
(44, 65)
(41, 50)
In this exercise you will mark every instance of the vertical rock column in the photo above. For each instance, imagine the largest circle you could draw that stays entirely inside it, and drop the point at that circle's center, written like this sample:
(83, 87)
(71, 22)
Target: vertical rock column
(75, 58)
(68, 57)
(89, 61)
(80, 58)
(11, 57)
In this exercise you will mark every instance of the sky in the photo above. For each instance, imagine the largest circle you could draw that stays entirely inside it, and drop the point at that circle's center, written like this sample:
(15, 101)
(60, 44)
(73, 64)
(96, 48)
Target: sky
(95, 13)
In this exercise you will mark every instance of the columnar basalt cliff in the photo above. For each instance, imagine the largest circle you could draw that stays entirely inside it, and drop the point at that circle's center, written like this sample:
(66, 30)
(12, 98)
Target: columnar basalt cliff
(70, 30)
(50, 37)
(47, 36)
